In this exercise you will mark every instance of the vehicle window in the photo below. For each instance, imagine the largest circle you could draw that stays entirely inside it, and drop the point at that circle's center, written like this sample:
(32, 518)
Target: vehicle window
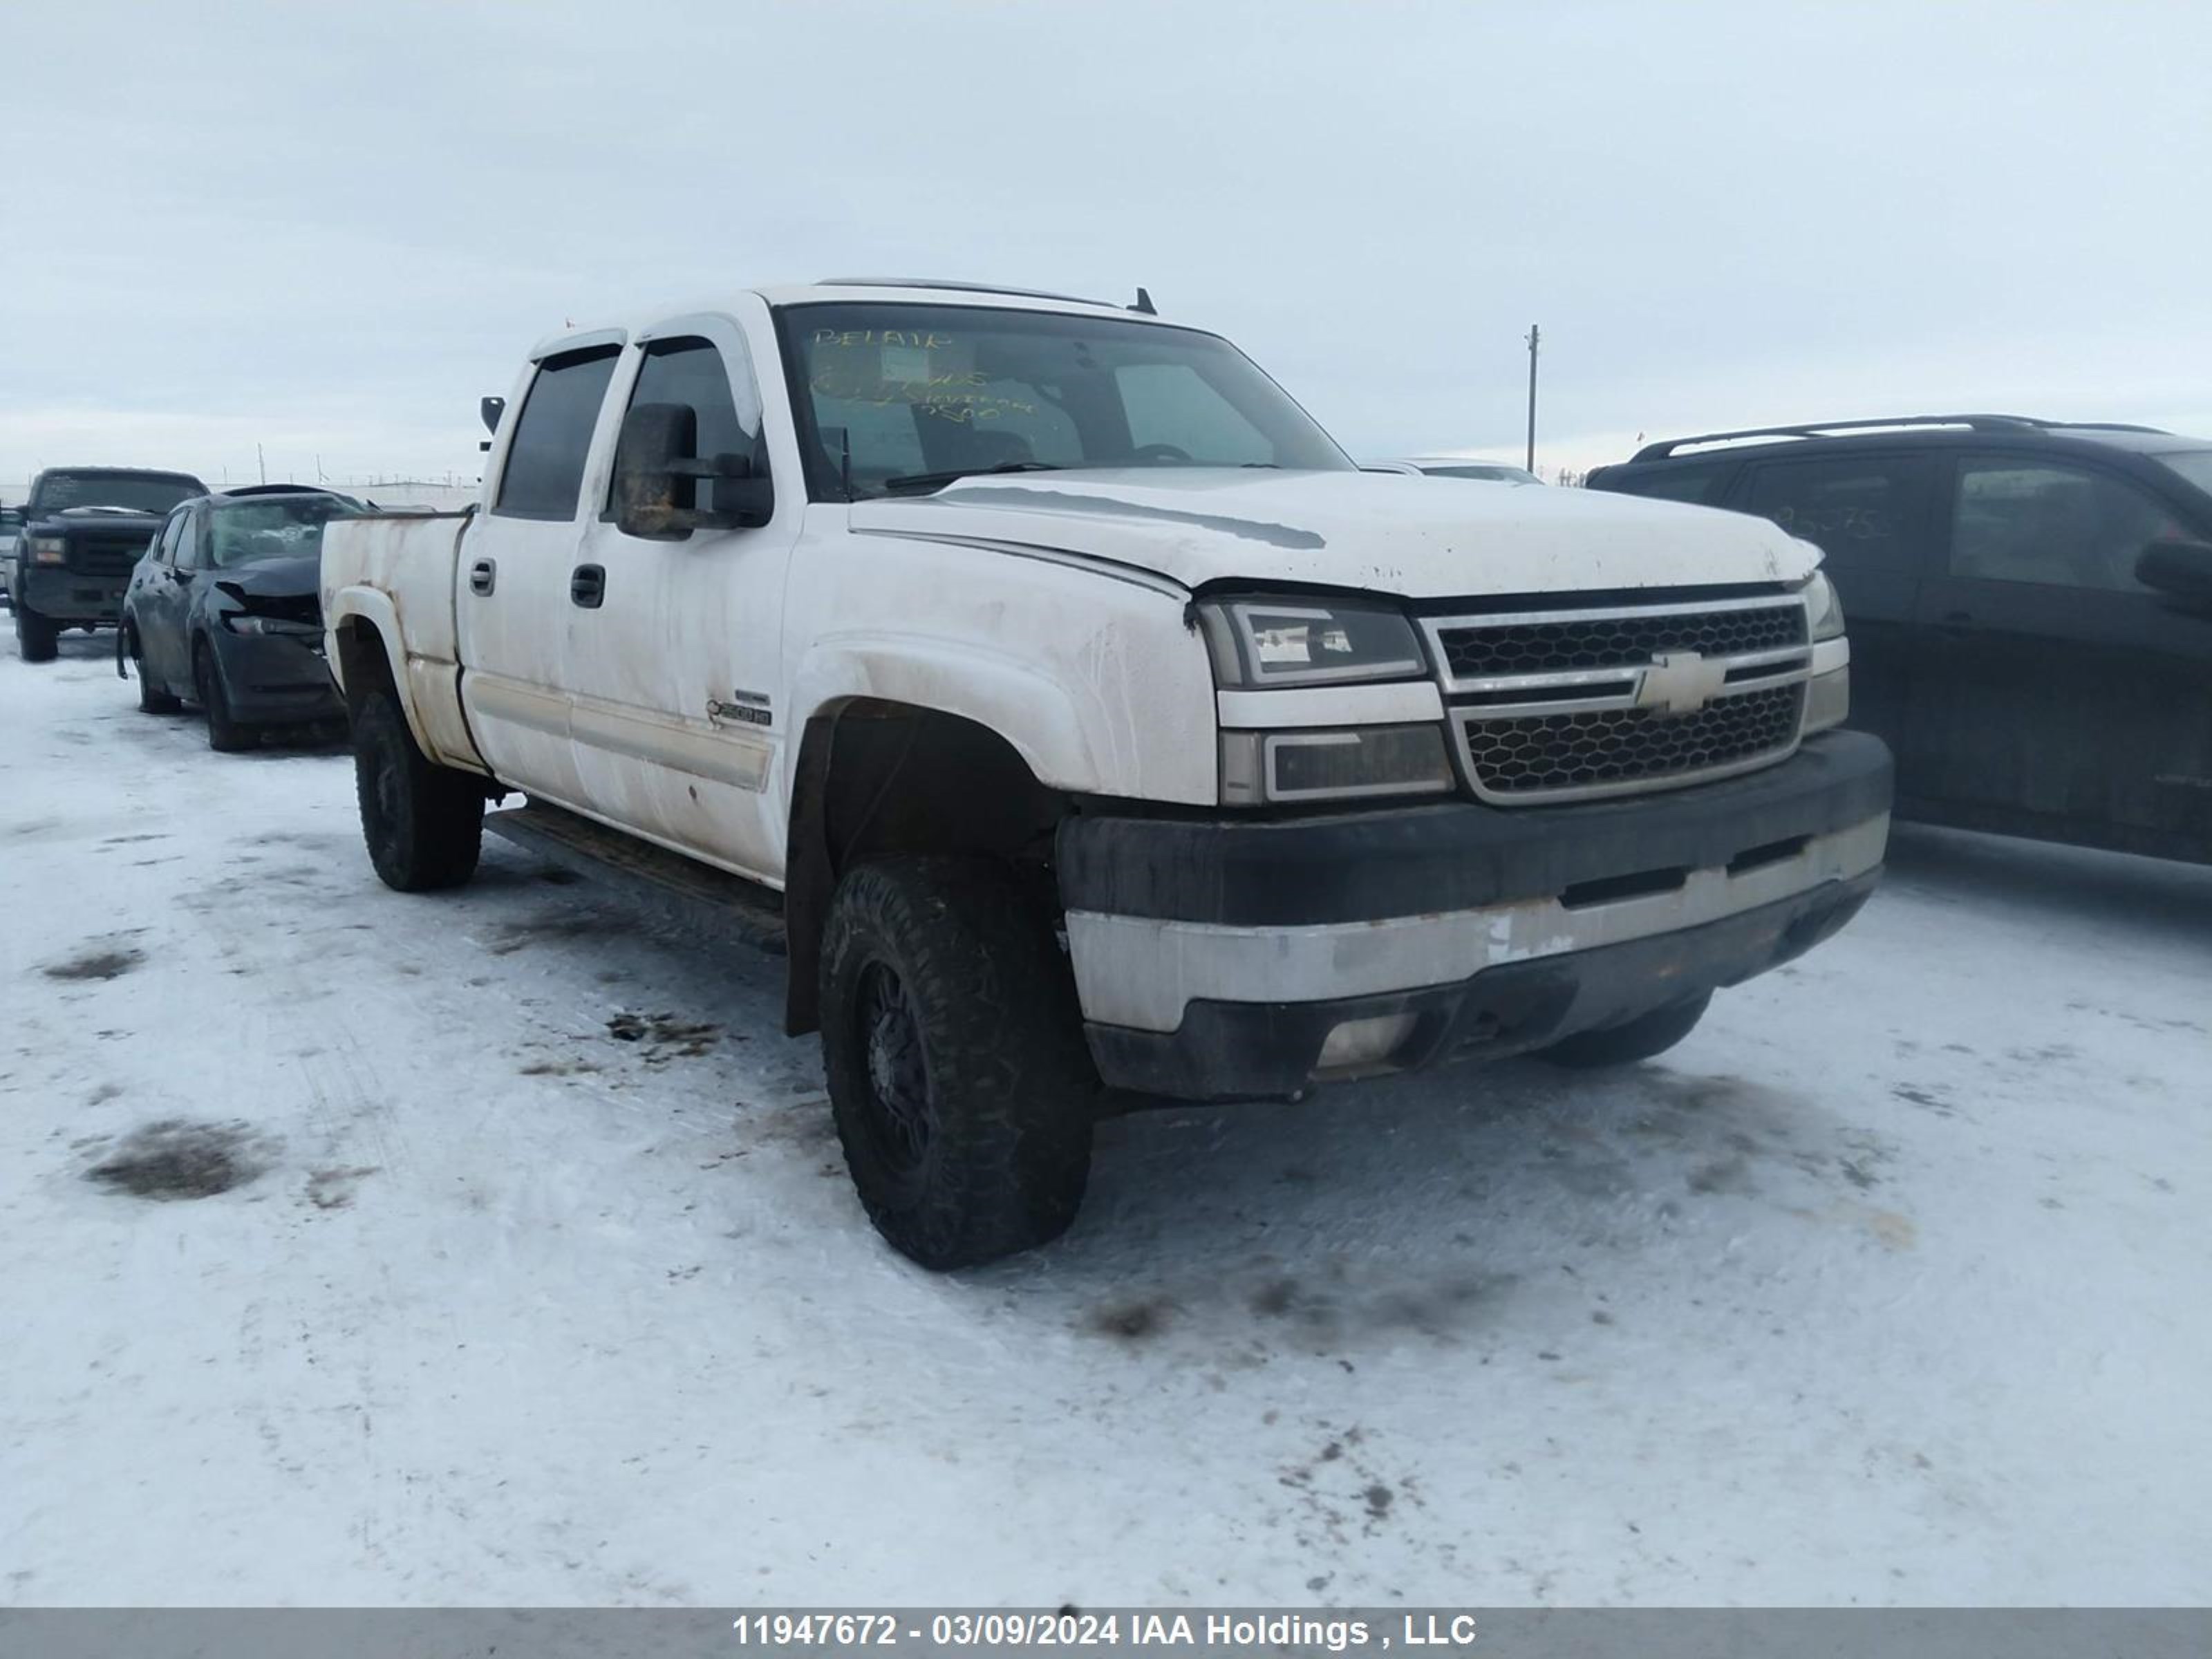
(691, 372)
(1489, 474)
(167, 551)
(284, 527)
(2194, 464)
(1170, 404)
(188, 541)
(899, 394)
(2065, 526)
(1694, 484)
(58, 492)
(1855, 511)
(545, 473)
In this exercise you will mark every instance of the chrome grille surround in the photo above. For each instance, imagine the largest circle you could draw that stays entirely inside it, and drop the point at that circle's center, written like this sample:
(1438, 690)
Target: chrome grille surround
(1562, 705)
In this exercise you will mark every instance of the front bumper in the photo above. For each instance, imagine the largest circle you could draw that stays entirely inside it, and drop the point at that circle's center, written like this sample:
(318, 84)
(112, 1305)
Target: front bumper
(275, 679)
(71, 596)
(1221, 959)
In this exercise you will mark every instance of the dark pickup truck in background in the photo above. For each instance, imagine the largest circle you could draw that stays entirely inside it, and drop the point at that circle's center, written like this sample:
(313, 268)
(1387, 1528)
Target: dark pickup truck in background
(2030, 608)
(83, 530)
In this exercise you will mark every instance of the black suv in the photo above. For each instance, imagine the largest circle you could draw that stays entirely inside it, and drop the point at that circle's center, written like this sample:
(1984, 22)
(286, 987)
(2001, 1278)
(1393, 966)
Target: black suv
(83, 529)
(2030, 606)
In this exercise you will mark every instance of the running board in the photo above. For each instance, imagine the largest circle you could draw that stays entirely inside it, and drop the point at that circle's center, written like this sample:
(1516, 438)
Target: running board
(695, 896)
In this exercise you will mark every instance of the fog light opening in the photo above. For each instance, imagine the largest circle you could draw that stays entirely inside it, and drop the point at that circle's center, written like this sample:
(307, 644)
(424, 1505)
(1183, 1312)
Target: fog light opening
(1358, 1044)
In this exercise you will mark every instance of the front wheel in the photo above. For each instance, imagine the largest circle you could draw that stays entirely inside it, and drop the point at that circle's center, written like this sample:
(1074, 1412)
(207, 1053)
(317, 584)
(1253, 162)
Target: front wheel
(962, 1089)
(423, 823)
(225, 735)
(1623, 1045)
(152, 699)
(34, 635)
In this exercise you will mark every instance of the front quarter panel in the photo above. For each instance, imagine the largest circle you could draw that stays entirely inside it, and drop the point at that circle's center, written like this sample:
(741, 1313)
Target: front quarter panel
(1096, 677)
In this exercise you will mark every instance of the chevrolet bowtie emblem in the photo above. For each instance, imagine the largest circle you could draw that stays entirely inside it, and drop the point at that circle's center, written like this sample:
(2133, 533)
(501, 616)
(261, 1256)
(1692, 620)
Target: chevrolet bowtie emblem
(1680, 682)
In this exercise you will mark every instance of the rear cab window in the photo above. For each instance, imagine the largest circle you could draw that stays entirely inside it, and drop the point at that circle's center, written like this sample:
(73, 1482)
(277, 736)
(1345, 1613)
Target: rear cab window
(543, 475)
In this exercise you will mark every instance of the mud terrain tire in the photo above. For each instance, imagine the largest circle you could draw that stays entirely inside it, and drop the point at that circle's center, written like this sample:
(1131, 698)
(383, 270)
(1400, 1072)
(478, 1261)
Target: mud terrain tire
(959, 1081)
(423, 824)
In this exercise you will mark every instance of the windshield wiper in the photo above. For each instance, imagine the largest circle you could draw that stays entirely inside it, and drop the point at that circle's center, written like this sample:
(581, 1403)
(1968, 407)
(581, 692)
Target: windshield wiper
(953, 475)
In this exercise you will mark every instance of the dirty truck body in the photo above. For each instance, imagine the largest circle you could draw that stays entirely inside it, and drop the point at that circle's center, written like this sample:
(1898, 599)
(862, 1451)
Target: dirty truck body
(1088, 725)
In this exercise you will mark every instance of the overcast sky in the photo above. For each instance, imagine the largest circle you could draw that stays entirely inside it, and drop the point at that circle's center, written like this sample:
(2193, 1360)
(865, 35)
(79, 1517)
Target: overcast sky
(328, 228)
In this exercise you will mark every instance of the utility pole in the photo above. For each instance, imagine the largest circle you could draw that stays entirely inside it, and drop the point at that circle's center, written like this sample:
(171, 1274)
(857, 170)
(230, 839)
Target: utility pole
(1534, 336)
(262, 461)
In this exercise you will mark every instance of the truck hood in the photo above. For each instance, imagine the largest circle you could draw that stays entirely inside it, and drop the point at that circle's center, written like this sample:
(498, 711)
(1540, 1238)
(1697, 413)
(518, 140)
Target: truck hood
(1422, 539)
(92, 521)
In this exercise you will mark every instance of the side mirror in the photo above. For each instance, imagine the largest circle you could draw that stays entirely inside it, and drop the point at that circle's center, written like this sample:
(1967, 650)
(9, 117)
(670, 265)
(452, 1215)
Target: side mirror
(657, 479)
(490, 409)
(2182, 569)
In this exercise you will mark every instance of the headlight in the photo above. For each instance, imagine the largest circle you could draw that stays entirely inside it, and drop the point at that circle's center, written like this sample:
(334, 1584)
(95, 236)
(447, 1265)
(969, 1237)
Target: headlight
(48, 550)
(1259, 767)
(240, 623)
(1262, 642)
(1823, 609)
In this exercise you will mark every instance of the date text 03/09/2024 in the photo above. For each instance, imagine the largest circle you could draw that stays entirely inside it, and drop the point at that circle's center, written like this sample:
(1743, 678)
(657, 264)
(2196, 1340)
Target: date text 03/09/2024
(1067, 1628)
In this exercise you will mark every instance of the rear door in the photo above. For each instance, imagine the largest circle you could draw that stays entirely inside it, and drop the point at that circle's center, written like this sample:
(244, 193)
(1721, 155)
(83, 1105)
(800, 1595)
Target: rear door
(1873, 516)
(674, 669)
(514, 598)
(2056, 696)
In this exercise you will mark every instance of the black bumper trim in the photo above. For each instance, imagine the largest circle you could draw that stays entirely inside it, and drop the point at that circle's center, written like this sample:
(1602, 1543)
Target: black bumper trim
(1457, 855)
(1270, 1051)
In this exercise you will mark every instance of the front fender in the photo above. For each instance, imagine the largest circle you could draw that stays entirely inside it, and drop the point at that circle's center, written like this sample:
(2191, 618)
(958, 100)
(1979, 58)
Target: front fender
(1094, 723)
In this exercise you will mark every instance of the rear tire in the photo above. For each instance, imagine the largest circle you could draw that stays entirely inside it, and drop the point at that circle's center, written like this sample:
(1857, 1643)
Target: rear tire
(152, 699)
(959, 1081)
(423, 823)
(1623, 1045)
(225, 735)
(34, 635)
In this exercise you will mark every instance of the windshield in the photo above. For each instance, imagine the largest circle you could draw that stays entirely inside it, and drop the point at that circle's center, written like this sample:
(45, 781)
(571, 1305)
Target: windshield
(906, 398)
(2194, 464)
(138, 491)
(285, 528)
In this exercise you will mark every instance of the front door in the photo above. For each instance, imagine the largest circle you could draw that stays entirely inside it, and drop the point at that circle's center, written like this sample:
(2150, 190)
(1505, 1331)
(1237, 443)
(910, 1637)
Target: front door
(160, 606)
(674, 671)
(513, 591)
(2056, 696)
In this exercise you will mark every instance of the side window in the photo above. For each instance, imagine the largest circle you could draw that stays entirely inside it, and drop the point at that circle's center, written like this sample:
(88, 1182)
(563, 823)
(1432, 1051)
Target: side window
(1858, 512)
(2065, 526)
(1693, 484)
(1171, 404)
(545, 461)
(166, 552)
(726, 399)
(188, 541)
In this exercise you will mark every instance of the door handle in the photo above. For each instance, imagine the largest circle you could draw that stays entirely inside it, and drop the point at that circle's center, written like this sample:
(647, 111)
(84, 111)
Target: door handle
(1955, 625)
(587, 586)
(483, 575)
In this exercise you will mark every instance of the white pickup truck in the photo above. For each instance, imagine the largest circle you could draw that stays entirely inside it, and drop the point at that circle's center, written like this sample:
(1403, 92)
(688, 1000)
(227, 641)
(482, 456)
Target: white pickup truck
(1088, 729)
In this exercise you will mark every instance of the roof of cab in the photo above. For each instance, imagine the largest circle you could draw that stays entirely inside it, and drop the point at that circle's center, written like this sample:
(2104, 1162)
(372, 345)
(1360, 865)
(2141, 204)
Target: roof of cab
(840, 290)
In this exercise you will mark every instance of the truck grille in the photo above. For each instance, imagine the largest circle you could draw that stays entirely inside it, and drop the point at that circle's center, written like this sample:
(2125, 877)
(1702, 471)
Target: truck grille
(1562, 705)
(1545, 754)
(108, 555)
(1601, 641)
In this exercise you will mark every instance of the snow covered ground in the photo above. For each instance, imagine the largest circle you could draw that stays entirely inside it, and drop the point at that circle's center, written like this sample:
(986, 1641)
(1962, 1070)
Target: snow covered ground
(1890, 1285)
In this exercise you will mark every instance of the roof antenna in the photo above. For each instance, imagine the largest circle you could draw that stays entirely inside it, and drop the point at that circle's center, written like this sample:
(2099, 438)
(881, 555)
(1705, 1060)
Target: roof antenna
(1144, 306)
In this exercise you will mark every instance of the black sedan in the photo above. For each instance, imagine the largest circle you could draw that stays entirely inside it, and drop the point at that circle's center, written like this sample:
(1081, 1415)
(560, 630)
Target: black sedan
(224, 611)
